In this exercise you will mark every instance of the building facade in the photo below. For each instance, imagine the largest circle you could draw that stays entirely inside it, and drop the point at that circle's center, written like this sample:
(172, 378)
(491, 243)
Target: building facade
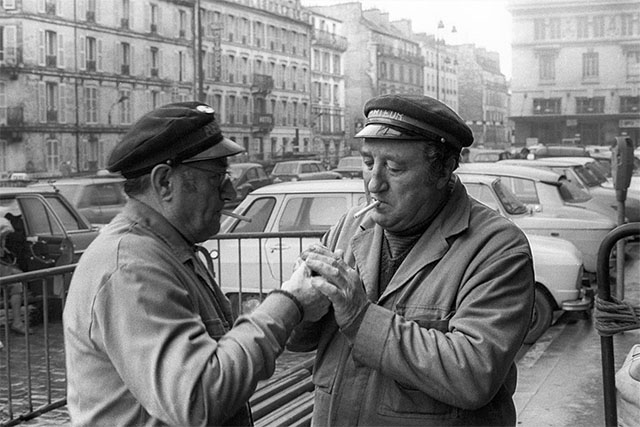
(484, 96)
(75, 74)
(379, 59)
(440, 69)
(328, 46)
(576, 71)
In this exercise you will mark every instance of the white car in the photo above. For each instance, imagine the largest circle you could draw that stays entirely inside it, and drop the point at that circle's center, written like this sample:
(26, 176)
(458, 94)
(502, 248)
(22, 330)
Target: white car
(250, 264)
(549, 214)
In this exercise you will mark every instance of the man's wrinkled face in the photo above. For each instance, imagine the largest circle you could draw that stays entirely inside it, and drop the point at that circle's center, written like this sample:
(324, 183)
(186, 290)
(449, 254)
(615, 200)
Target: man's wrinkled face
(204, 188)
(396, 173)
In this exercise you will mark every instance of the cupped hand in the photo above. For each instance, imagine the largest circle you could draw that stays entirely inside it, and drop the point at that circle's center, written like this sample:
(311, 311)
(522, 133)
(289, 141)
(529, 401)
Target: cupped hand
(314, 302)
(338, 281)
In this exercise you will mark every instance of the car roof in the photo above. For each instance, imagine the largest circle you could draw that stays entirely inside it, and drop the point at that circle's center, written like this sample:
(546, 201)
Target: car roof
(500, 168)
(76, 181)
(24, 190)
(245, 165)
(315, 186)
(548, 161)
(478, 178)
(297, 161)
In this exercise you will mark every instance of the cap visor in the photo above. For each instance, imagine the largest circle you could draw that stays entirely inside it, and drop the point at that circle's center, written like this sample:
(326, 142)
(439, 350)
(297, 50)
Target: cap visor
(224, 148)
(374, 130)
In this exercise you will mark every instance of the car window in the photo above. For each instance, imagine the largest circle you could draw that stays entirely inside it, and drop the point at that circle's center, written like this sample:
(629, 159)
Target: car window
(102, 195)
(509, 201)
(252, 175)
(571, 193)
(38, 218)
(307, 168)
(284, 168)
(524, 189)
(66, 216)
(312, 213)
(483, 194)
(261, 173)
(259, 212)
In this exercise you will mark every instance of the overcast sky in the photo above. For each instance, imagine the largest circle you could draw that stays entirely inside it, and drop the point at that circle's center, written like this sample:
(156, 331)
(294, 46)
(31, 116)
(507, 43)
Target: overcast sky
(485, 23)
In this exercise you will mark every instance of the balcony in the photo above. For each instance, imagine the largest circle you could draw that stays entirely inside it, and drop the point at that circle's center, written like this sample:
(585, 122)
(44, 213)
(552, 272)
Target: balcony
(52, 116)
(262, 84)
(327, 39)
(91, 16)
(263, 122)
(154, 72)
(153, 28)
(124, 23)
(51, 61)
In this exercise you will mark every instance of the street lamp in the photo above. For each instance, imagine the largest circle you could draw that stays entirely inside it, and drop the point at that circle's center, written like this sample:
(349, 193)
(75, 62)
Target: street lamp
(438, 40)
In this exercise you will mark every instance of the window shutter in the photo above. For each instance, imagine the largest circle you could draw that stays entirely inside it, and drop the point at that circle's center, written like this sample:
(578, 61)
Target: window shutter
(83, 53)
(41, 6)
(132, 62)
(62, 94)
(42, 102)
(58, 7)
(82, 10)
(161, 72)
(99, 64)
(3, 104)
(148, 61)
(60, 51)
(41, 50)
(70, 103)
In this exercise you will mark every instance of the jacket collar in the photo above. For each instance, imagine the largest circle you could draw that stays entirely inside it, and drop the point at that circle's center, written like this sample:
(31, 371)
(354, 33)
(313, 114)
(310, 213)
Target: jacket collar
(432, 245)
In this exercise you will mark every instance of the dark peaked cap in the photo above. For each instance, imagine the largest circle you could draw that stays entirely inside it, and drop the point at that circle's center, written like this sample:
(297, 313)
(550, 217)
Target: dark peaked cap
(414, 117)
(172, 133)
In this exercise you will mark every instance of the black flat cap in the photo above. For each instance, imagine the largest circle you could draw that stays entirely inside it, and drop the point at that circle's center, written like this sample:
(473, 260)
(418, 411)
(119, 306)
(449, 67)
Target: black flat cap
(414, 117)
(172, 133)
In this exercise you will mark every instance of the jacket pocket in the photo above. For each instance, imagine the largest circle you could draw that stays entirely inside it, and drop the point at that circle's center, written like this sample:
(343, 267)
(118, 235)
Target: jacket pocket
(215, 328)
(405, 402)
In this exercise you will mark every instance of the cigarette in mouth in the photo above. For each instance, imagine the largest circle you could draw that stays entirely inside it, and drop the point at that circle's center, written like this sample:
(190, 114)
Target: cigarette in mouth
(367, 208)
(235, 215)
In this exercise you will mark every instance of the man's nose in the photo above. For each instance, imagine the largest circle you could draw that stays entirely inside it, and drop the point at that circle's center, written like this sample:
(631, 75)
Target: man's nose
(227, 192)
(376, 179)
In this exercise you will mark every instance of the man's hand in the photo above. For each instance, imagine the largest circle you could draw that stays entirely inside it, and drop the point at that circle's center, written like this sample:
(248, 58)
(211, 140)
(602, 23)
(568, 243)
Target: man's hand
(315, 304)
(339, 282)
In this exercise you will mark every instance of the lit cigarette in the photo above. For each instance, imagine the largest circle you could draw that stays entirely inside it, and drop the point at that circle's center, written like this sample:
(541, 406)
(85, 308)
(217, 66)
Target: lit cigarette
(366, 208)
(235, 215)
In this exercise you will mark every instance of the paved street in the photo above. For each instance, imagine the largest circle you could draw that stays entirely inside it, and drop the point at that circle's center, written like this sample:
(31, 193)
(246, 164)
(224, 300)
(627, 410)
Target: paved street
(559, 384)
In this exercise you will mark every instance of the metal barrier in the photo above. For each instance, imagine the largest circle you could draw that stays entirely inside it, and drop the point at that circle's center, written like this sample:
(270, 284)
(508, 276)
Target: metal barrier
(28, 388)
(604, 294)
(27, 385)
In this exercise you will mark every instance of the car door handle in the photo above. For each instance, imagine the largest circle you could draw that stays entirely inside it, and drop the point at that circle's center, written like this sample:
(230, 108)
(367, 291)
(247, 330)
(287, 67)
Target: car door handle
(279, 247)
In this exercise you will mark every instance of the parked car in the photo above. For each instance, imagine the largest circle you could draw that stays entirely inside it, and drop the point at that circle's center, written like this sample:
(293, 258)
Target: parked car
(251, 267)
(245, 178)
(484, 155)
(557, 263)
(559, 151)
(98, 199)
(590, 179)
(301, 170)
(582, 227)
(350, 167)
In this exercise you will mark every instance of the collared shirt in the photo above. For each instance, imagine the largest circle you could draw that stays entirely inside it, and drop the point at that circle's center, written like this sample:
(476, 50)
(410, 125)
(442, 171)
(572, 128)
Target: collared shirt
(147, 335)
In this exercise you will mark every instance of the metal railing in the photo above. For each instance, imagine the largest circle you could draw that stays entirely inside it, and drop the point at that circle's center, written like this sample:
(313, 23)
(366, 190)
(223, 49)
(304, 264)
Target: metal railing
(32, 375)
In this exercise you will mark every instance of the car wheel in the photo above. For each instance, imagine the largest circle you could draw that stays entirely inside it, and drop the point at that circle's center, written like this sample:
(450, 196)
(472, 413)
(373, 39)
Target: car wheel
(541, 317)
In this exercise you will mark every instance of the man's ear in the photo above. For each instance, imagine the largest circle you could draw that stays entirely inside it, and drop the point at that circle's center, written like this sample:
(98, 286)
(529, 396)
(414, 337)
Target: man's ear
(161, 180)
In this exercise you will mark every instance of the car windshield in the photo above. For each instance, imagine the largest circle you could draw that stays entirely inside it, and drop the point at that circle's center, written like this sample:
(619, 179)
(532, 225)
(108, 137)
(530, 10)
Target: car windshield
(70, 192)
(571, 193)
(587, 176)
(350, 162)
(284, 168)
(509, 200)
(597, 170)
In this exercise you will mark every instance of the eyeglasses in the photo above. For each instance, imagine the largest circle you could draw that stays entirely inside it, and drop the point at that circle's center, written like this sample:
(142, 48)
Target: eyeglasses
(216, 177)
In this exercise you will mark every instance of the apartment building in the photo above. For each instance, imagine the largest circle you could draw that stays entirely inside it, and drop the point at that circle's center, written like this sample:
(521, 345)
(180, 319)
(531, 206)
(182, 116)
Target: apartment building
(75, 74)
(440, 69)
(576, 70)
(484, 96)
(328, 46)
(379, 59)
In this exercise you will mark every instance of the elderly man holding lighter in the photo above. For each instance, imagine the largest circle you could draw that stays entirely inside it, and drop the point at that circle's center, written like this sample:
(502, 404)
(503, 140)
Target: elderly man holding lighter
(432, 291)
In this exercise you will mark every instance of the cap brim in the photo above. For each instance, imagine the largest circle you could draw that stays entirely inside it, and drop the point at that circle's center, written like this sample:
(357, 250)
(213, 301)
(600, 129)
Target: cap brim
(224, 148)
(383, 131)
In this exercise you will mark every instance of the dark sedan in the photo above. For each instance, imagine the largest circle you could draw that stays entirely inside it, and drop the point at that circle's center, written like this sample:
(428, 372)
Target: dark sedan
(245, 178)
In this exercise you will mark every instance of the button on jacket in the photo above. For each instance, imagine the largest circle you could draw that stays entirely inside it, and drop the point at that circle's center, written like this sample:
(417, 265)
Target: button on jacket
(149, 338)
(438, 346)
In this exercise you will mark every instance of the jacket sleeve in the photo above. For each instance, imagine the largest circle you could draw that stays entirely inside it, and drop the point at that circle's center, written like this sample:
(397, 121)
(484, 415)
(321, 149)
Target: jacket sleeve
(183, 369)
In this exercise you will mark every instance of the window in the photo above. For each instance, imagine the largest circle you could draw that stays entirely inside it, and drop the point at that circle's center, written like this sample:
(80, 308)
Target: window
(524, 189)
(3, 104)
(154, 62)
(91, 104)
(153, 18)
(155, 100)
(124, 20)
(547, 67)
(124, 109)
(9, 4)
(231, 109)
(598, 26)
(91, 53)
(633, 64)
(182, 23)
(554, 28)
(546, 106)
(539, 29)
(589, 105)
(629, 104)
(8, 44)
(312, 213)
(53, 154)
(50, 49)
(91, 10)
(583, 27)
(52, 102)
(260, 211)
(182, 64)
(626, 25)
(125, 59)
(336, 64)
(589, 65)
